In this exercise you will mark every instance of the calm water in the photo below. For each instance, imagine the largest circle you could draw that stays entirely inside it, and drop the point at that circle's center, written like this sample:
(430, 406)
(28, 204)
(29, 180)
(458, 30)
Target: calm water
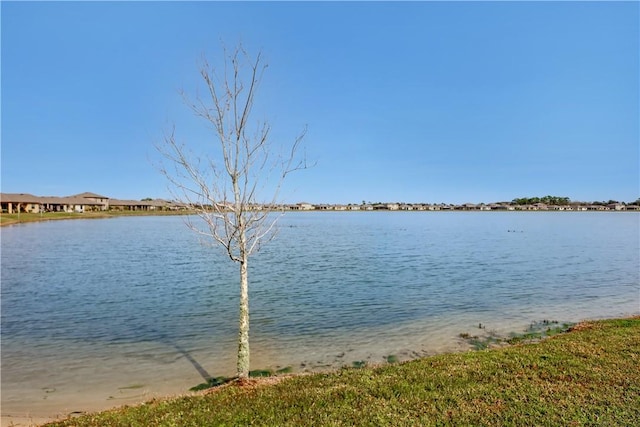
(99, 313)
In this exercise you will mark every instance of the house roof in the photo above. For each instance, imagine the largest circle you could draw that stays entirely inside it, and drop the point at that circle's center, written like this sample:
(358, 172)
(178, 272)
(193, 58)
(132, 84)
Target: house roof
(90, 196)
(19, 198)
(30, 198)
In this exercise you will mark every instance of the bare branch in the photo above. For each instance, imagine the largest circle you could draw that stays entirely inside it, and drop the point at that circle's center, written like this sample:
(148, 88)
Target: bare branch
(224, 188)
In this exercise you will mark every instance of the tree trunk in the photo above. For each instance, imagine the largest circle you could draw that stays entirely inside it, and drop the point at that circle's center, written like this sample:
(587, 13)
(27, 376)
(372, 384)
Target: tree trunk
(243, 336)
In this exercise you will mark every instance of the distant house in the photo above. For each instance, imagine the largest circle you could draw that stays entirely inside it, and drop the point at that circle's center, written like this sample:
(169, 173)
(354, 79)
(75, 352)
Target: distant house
(28, 203)
(150, 205)
(101, 202)
(304, 206)
(617, 207)
(16, 203)
(597, 208)
(131, 205)
(502, 207)
(559, 208)
(252, 207)
(69, 204)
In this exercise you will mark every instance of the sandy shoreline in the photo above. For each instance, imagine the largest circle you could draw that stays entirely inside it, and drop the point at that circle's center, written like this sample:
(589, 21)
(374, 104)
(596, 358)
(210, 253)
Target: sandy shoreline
(23, 421)
(178, 378)
(26, 418)
(145, 384)
(91, 403)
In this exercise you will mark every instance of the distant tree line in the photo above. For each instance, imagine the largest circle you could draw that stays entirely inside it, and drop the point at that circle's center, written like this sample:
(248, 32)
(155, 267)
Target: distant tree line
(612, 202)
(548, 200)
(563, 201)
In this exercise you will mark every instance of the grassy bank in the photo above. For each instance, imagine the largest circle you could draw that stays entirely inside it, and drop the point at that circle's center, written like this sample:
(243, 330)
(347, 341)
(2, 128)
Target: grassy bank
(588, 376)
(23, 218)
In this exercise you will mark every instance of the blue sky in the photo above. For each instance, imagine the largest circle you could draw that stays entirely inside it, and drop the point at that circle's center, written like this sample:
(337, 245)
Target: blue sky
(417, 101)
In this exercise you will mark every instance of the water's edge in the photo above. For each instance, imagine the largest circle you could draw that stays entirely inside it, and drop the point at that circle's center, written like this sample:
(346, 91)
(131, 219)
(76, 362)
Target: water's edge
(96, 314)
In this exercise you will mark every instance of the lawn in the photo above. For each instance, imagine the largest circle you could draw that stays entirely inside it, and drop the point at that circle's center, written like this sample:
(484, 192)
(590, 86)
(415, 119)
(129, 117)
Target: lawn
(587, 376)
(14, 218)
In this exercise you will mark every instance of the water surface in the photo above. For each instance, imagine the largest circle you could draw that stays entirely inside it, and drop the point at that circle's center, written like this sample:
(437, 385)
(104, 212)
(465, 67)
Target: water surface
(97, 313)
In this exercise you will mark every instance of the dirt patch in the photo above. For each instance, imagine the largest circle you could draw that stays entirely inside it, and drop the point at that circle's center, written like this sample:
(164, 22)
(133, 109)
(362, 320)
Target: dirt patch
(582, 326)
(246, 383)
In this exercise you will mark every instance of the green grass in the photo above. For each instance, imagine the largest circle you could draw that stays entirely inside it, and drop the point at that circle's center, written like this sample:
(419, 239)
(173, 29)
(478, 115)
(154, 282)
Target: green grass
(9, 219)
(588, 376)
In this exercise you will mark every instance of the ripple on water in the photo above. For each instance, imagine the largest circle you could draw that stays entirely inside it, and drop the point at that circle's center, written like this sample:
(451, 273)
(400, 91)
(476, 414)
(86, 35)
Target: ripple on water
(90, 307)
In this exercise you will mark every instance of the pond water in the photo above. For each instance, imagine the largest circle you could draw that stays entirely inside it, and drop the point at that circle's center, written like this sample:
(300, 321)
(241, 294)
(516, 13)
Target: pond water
(98, 313)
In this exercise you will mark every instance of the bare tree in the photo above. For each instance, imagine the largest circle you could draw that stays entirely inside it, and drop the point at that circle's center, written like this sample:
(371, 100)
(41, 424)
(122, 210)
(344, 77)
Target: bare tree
(226, 187)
